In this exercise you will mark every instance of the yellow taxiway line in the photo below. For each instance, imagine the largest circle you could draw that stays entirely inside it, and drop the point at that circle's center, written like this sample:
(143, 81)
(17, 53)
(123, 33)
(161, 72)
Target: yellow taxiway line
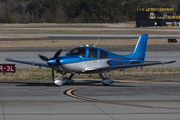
(70, 93)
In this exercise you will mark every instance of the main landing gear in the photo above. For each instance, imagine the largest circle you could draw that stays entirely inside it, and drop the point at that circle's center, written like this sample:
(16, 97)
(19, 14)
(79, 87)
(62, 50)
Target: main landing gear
(64, 81)
(69, 80)
(106, 81)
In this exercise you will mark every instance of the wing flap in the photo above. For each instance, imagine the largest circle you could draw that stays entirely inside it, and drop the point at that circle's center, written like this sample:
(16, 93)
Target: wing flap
(129, 66)
(28, 62)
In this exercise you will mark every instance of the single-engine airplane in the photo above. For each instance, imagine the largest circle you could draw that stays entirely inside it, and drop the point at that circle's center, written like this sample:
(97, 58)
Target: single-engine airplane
(90, 60)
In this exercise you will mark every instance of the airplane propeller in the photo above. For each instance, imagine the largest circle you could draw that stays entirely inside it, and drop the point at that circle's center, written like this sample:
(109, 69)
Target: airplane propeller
(56, 55)
(43, 57)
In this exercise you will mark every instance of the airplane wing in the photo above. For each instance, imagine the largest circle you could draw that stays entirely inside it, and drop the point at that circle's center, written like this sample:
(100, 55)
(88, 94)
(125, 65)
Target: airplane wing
(149, 63)
(28, 62)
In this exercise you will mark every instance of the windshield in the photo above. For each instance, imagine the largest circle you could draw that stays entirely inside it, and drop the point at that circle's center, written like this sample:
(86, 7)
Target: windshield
(77, 51)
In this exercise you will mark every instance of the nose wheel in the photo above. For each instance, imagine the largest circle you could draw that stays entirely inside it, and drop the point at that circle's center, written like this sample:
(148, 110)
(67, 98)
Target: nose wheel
(64, 81)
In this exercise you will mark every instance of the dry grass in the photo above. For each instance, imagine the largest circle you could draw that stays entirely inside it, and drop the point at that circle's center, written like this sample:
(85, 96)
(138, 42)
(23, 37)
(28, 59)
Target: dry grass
(74, 43)
(21, 28)
(89, 31)
(45, 74)
(134, 72)
(27, 74)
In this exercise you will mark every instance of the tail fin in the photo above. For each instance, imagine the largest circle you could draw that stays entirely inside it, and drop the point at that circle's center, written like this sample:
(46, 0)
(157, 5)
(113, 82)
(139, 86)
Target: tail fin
(140, 49)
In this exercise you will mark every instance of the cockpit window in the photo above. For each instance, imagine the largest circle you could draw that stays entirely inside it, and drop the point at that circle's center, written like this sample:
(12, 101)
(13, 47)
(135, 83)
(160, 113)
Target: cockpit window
(92, 53)
(77, 51)
(103, 54)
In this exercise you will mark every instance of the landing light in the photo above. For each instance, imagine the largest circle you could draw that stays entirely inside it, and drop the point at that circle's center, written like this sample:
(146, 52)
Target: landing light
(87, 45)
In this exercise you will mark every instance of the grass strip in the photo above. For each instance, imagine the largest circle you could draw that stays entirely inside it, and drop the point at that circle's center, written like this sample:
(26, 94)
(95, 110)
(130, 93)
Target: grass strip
(24, 74)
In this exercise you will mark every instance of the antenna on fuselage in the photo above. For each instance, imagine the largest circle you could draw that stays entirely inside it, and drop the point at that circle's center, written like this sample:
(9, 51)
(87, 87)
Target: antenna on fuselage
(96, 42)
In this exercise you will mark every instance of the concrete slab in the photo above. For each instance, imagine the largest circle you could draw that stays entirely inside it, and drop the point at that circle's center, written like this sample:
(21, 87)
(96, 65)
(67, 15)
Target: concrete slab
(128, 101)
(50, 108)
(146, 117)
(2, 117)
(58, 117)
(1, 109)
(170, 104)
(129, 108)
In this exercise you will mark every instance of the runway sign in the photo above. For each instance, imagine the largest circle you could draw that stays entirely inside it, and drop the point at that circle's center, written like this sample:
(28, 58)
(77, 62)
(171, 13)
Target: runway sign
(7, 68)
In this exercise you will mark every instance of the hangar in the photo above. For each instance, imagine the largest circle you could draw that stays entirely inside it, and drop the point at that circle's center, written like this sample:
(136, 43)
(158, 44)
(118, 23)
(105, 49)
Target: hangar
(156, 17)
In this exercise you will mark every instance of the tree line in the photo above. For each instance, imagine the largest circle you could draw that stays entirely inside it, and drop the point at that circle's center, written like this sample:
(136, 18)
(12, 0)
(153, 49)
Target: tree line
(76, 11)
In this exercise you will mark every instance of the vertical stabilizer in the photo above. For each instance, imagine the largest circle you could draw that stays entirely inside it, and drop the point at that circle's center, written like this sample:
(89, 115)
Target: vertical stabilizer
(140, 49)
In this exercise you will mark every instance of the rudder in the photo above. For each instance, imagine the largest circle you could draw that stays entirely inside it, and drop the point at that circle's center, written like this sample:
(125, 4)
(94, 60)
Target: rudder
(140, 49)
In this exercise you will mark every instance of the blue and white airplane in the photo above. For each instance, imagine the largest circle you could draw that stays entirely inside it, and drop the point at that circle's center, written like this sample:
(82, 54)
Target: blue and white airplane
(90, 60)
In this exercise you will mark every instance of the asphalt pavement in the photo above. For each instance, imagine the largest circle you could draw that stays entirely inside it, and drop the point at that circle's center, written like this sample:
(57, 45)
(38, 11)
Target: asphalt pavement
(90, 100)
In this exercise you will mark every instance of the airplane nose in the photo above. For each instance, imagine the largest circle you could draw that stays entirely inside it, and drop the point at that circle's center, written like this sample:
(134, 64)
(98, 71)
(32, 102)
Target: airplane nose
(51, 62)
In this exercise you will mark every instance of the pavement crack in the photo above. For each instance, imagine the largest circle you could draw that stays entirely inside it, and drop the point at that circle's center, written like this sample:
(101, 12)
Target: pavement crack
(103, 111)
(3, 111)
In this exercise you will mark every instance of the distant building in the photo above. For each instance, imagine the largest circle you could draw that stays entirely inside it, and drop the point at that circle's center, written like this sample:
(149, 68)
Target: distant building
(156, 17)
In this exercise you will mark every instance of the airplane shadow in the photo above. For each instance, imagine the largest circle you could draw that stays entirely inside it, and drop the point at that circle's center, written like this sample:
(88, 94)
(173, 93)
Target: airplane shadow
(28, 83)
(76, 83)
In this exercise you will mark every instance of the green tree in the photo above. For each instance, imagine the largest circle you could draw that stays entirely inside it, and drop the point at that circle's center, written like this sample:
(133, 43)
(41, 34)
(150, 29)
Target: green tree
(20, 9)
(33, 8)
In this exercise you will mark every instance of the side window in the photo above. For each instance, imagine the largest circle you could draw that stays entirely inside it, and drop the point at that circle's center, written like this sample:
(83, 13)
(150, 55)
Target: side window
(103, 54)
(92, 53)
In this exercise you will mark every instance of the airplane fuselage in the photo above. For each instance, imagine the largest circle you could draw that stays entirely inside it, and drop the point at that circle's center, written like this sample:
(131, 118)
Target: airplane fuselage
(81, 63)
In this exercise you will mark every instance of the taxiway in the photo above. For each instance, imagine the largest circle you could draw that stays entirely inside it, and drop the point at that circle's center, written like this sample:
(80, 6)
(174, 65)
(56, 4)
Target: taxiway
(90, 100)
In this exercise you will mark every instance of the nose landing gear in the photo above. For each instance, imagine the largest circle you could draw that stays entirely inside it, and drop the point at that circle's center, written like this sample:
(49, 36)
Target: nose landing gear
(64, 81)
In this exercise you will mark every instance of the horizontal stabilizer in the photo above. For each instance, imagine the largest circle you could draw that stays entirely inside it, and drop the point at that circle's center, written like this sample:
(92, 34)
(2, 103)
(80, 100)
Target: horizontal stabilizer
(130, 66)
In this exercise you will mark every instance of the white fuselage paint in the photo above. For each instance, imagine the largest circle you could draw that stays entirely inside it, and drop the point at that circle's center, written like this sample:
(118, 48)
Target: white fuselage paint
(80, 67)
